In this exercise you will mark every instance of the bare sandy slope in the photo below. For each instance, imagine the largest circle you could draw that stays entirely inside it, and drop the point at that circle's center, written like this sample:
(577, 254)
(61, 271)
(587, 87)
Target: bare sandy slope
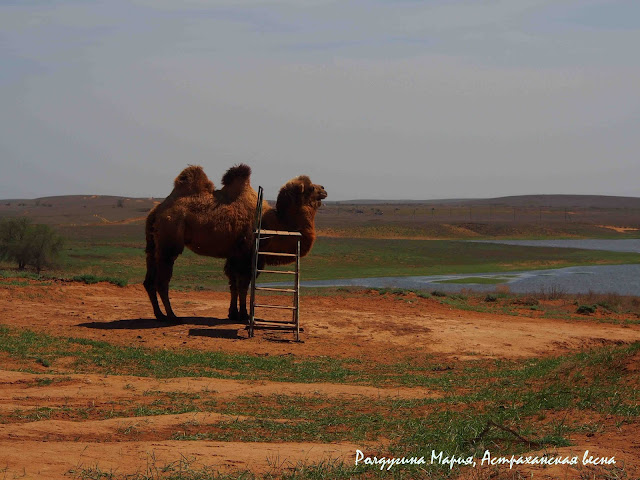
(386, 329)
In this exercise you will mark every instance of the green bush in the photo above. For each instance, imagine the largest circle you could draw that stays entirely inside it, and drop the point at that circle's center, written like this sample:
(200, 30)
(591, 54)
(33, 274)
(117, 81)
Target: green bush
(27, 244)
(586, 309)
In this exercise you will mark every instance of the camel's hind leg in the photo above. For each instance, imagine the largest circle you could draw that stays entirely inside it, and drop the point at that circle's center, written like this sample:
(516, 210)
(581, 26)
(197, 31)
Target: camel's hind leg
(165, 272)
(243, 286)
(150, 281)
(229, 270)
(150, 285)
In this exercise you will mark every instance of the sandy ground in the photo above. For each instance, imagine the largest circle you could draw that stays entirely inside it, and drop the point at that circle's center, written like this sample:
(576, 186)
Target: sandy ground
(378, 327)
(386, 329)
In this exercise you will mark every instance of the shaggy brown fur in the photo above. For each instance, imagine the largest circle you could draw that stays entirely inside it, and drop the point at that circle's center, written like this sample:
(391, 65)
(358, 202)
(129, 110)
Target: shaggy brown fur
(296, 207)
(219, 223)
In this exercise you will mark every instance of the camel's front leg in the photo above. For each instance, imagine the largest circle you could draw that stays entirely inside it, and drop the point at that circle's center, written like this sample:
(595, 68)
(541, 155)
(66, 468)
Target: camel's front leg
(238, 269)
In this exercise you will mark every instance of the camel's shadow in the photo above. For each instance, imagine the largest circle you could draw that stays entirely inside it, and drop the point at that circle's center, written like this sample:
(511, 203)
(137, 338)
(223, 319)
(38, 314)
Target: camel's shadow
(148, 323)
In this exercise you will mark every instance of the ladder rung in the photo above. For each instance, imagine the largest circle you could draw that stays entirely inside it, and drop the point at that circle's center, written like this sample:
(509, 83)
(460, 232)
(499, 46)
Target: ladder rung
(269, 289)
(284, 233)
(279, 322)
(274, 254)
(277, 271)
(281, 328)
(274, 306)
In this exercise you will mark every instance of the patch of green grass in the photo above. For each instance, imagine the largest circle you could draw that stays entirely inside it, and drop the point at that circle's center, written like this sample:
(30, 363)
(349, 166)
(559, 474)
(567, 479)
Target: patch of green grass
(44, 381)
(15, 283)
(41, 278)
(34, 415)
(19, 274)
(94, 355)
(91, 279)
(159, 409)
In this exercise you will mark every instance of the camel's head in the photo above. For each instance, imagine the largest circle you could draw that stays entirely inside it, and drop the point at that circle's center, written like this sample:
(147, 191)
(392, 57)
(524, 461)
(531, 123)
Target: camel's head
(300, 192)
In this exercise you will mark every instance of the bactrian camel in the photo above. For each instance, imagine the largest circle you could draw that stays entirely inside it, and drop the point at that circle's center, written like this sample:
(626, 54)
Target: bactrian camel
(219, 223)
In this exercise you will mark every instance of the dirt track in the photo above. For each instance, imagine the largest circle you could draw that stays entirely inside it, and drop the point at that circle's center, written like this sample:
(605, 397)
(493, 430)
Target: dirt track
(386, 329)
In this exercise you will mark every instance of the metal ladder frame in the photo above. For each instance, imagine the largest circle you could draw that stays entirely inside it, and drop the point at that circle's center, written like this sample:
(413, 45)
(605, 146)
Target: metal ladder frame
(260, 234)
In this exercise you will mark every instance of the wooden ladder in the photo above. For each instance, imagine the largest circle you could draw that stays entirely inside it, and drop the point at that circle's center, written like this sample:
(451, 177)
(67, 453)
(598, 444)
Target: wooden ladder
(261, 234)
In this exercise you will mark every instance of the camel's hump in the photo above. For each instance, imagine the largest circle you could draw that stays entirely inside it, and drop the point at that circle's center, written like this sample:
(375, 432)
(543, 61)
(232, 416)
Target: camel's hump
(193, 180)
(237, 172)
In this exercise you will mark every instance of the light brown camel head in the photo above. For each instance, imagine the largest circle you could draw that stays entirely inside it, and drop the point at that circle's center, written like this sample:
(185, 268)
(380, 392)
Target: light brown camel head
(298, 194)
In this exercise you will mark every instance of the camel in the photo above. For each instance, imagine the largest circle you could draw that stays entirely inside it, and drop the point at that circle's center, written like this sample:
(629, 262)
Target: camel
(219, 223)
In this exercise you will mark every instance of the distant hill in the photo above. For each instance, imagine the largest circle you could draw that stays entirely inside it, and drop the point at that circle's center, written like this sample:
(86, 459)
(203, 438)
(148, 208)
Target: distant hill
(559, 201)
(555, 201)
(77, 210)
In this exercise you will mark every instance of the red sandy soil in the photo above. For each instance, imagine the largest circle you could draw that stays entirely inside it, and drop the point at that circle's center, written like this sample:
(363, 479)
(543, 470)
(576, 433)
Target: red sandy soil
(371, 326)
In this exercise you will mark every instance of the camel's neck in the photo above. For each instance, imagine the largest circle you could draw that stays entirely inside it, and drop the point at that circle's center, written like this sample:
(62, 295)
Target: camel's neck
(297, 220)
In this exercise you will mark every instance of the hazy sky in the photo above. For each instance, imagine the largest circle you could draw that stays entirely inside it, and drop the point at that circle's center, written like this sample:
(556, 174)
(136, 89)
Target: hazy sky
(373, 99)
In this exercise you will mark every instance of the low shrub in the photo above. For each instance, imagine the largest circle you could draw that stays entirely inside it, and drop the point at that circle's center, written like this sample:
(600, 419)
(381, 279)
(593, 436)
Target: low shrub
(586, 309)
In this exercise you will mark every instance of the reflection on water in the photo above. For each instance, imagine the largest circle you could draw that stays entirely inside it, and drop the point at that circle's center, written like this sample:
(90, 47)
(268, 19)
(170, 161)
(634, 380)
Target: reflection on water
(621, 279)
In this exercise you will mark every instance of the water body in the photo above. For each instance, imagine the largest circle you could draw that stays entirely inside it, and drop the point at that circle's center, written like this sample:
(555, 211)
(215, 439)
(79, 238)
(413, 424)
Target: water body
(621, 279)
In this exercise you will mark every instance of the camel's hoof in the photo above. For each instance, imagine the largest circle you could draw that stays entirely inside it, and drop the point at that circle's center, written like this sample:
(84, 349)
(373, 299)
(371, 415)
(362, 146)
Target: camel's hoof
(233, 315)
(244, 317)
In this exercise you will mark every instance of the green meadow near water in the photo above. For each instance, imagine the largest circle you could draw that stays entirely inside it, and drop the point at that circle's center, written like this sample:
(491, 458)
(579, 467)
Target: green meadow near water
(122, 257)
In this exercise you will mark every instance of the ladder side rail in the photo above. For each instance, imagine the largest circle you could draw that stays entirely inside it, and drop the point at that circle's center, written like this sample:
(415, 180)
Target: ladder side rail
(296, 295)
(254, 259)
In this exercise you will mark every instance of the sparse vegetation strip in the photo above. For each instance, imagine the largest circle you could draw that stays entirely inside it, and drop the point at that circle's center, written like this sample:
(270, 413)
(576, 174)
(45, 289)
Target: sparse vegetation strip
(539, 400)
